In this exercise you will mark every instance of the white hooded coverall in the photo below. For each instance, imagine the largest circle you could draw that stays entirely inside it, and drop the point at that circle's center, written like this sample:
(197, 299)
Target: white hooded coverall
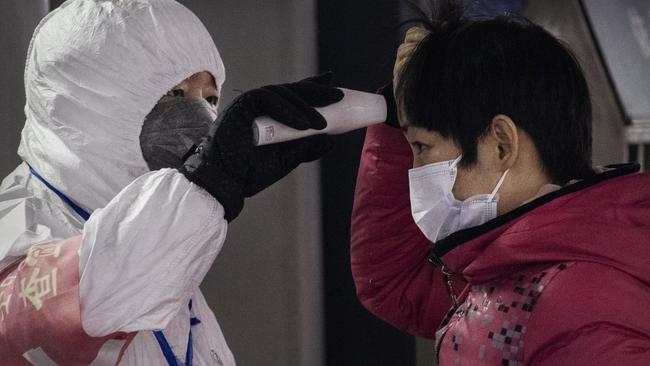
(94, 70)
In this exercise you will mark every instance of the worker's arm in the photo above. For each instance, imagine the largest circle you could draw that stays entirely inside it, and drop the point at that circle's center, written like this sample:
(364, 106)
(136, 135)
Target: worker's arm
(143, 254)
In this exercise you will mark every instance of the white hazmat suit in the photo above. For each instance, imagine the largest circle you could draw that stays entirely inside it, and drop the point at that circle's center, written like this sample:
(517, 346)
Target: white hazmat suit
(94, 70)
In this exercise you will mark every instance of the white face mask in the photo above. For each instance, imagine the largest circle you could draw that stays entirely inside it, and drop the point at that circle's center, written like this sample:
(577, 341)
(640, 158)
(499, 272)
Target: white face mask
(435, 209)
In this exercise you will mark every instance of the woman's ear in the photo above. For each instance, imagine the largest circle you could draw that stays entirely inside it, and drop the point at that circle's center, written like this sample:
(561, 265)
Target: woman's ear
(505, 134)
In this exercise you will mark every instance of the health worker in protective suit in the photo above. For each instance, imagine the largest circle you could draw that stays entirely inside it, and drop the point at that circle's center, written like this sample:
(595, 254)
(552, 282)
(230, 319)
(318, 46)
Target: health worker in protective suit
(113, 219)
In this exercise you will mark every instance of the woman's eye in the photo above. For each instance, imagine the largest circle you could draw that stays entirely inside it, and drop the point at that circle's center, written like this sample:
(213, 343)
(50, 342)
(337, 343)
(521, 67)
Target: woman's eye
(419, 147)
(212, 100)
(176, 93)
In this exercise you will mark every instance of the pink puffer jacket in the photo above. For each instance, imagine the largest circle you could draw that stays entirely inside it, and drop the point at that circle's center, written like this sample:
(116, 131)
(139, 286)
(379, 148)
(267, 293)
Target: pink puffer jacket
(562, 280)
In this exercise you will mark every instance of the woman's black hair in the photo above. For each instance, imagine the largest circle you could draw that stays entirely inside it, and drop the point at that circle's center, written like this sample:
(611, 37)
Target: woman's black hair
(468, 70)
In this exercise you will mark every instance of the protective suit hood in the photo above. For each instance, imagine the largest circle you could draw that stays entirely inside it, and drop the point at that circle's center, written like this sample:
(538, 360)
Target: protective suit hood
(94, 70)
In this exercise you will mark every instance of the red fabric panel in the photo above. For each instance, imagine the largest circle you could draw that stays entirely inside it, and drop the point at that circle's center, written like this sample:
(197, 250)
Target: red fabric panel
(39, 308)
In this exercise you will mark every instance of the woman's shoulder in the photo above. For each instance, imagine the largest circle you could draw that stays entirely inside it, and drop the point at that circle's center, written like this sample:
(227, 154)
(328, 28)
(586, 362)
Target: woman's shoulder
(589, 300)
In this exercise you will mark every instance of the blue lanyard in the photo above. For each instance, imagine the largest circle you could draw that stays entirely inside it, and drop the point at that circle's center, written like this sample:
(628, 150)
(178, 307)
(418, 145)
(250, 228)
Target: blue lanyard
(80, 211)
(160, 337)
(167, 350)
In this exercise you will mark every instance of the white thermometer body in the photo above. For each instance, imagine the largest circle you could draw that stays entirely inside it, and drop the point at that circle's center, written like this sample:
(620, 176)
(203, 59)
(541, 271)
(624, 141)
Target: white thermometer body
(356, 110)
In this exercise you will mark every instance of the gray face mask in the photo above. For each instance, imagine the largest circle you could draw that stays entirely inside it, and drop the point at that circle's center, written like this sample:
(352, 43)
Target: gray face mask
(172, 127)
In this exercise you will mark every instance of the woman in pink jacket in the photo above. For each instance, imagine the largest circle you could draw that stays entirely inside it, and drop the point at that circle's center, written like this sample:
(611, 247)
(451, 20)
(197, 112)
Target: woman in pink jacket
(542, 259)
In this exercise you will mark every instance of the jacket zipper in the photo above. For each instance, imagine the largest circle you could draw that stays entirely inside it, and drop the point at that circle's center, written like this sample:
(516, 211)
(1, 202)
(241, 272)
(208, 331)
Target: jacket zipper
(450, 286)
(437, 262)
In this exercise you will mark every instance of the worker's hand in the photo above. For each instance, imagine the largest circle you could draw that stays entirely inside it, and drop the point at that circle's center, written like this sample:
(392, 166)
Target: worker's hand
(230, 167)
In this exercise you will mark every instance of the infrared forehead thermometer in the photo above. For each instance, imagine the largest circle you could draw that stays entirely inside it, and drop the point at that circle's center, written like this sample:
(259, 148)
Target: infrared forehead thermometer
(356, 110)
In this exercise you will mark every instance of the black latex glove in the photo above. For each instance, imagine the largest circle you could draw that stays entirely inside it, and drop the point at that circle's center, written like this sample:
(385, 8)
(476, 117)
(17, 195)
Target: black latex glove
(230, 167)
(391, 107)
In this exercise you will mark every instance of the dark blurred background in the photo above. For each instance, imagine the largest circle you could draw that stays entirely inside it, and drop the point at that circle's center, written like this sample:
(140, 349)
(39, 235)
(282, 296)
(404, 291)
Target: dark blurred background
(282, 288)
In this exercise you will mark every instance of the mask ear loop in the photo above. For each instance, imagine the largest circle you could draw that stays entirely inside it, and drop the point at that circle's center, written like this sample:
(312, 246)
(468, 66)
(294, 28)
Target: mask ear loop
(496, 189)
(456, 161)
(453, 170)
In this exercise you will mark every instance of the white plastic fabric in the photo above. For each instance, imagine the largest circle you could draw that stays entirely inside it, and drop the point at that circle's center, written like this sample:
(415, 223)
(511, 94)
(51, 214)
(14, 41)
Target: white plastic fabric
(143, 257)
(94, 70)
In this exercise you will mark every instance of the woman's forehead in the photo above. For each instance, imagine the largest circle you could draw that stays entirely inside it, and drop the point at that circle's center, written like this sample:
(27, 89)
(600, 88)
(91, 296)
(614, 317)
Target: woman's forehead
(420, 132)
